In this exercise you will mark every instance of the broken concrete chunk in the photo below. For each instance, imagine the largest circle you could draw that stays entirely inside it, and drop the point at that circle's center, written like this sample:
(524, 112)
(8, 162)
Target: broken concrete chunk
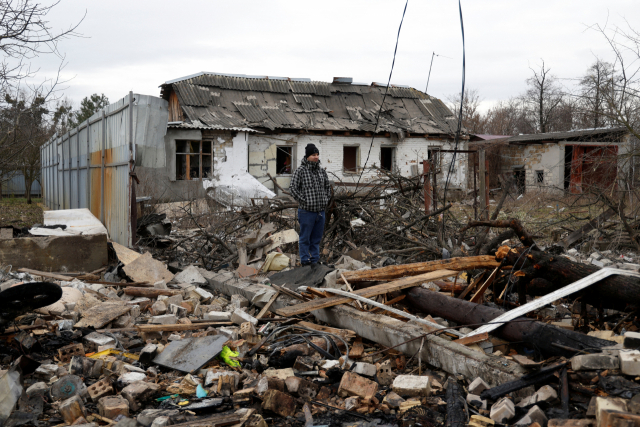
(503, 410)
(38, 389)
(594, 362)
(477, 386)
(269, 383)
(412, 385)
(72, 409)
(178, 311)
(308, 390)
(148, 353)
(392, 400)
(544, 394)
(366, 369)
(279, 403)
(217, 316)
(139, 392)
(230, 332)
(158, 308)
(609, 404)
(113, 406)
(239, 317)
(95, 340)
(146, 269)
(354, 385)
(630, 362)
(239, 301)
(131, 377)
(283, 374)
(147, 416)
(535, 415)
(160, 284)
(190, 275)
(166, 319)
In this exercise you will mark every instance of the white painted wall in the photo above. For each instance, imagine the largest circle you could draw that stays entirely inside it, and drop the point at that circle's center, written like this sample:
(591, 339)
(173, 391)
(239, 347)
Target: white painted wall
(411, 151)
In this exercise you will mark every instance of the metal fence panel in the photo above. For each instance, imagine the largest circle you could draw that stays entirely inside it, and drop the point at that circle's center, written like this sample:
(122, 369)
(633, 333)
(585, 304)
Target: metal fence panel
(92, 166)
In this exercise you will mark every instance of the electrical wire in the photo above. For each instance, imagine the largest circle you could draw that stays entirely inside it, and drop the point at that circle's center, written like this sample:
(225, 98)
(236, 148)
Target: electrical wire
(457, 137)
(386, 91)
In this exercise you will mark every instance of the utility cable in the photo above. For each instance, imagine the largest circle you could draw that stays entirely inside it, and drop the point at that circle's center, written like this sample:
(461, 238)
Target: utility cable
(386, 91)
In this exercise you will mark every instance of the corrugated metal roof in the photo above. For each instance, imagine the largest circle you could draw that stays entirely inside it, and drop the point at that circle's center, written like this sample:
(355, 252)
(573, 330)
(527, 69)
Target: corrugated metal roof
(238, 101)
(570, 135)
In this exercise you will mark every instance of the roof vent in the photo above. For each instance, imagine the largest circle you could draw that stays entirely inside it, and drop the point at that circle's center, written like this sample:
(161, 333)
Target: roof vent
(343, 80)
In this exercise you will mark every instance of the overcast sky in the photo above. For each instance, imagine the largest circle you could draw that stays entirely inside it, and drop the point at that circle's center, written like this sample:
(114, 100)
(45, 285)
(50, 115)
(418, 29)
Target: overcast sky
(137, 45)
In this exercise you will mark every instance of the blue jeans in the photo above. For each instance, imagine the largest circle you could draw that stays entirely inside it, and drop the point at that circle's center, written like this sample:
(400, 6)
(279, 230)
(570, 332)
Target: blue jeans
(311, 229)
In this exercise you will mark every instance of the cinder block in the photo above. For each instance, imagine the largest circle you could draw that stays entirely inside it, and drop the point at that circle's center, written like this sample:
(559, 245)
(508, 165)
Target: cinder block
(354, 385)
(239, 301)
(94, 340)
(411, 385)
(139, 392)
(217, 316)
(587, 362)
(630, 362)
(166, 319)
(68, 351)
(366, 369)
(100, 389)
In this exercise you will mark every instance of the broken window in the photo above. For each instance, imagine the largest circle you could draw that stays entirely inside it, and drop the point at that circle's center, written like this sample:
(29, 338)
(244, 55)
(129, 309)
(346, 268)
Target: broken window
(350, 156)
(284, 160)
(194, 160)
(387, 155)
(539, 177)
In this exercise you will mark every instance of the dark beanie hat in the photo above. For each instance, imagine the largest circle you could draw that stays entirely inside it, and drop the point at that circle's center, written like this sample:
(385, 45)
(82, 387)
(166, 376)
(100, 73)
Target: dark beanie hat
(310, 149)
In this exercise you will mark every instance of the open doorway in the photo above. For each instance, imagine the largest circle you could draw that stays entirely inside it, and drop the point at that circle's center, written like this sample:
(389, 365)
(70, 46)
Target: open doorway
(520, 178)
(568, 155)
(387, 155)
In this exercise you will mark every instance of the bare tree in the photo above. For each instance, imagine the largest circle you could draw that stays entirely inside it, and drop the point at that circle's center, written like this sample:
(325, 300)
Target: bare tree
(472, 119)
(543, 100)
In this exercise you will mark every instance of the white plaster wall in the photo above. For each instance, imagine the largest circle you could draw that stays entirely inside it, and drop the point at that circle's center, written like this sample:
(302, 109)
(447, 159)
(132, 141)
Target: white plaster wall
(411, 151)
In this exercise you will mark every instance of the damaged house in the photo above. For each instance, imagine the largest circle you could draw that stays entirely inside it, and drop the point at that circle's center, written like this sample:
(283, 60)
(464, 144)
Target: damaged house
(262, 124)
(573, 161)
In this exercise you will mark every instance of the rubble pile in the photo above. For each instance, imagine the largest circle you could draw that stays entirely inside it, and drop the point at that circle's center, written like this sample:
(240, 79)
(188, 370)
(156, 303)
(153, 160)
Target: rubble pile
(526, 335)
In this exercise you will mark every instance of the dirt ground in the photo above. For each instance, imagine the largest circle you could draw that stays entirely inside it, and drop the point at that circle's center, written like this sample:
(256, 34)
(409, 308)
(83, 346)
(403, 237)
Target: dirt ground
(16, 212)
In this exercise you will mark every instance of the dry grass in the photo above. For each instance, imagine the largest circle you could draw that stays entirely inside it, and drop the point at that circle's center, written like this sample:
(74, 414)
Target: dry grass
(16, 212)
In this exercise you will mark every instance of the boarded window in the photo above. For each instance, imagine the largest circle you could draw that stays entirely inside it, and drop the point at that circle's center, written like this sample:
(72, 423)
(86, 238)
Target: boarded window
(386, 158)
(284, 160)
(194, 160)
(350, 159)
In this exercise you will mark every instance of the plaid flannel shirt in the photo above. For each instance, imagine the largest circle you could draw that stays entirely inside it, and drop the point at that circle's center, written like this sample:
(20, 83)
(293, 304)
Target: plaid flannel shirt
(310, 186)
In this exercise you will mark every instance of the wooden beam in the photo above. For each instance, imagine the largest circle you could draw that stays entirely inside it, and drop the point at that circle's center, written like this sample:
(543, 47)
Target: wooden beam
(396, 271)
(478, 295)
(472, 340)
(267, 306)
(372, 291)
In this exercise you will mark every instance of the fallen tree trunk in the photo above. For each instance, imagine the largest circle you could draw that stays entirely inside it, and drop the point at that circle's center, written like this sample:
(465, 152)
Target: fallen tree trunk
(539, 335)
(396, 271)
(617, 292)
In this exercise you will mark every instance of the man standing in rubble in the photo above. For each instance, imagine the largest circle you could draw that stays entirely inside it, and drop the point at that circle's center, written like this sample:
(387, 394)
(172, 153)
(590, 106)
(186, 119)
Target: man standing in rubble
(311, 188)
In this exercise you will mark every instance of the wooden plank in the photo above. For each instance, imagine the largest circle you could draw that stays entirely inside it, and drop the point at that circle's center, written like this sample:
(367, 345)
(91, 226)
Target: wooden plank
(472, 286)
(124, 254)
(478, 295)
(472, 340)
(345, 333)
(45, 274)
(267, 306)
(180, 327)
(372, 291)
(396, 271)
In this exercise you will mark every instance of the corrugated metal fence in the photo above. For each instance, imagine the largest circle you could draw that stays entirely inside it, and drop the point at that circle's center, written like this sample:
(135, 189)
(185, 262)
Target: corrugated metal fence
(16, 186)
(92, 166)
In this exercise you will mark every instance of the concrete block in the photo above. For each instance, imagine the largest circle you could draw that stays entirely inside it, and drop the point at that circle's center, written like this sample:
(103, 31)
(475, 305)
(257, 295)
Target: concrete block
(610, 417)
(190, 275)
(279, 403)
(113, 406)
(283, 374)
(239, 317)
(229, 331)
(72, 409)
(608, 404)
(131, 377)
(38, 389)
(94, 340)
(147, 353)
(239, 301)
(384, 373)
(178, 311)
(587, 362)
(475, 401)
(269, 383)
(202, 309)
(630, 362)
(631, 340)
(354, 385)
(158, 308)
(100, 389)
(366, 369)
(503, 410)
(477, 386)
(166, 319)
(202, 295)
(411, 385)
(544, 394)
(217, 316)
(138, 392)
(535, 415)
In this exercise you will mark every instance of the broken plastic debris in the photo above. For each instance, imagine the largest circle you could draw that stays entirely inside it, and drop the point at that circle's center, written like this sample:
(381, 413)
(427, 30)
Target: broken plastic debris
(200, 391)
(226, 355)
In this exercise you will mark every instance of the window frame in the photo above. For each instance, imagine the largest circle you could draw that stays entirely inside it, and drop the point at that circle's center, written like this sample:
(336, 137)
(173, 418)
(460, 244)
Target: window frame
(358, 168)
(200, 154)
(291, 155)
